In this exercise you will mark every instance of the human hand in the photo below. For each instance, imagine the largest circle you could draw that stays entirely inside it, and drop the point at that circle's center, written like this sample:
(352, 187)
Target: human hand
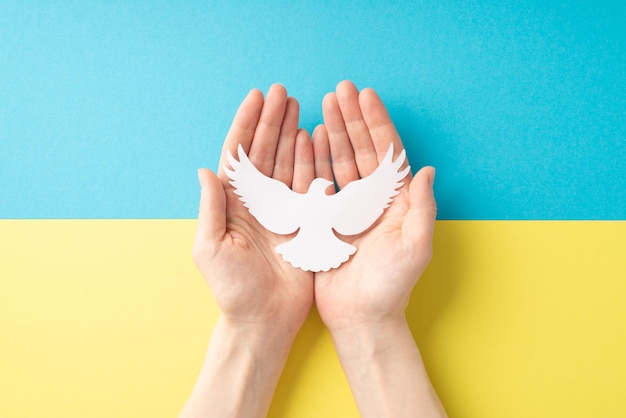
(263, 301)
(375, 284)
(249, 280)
(363, 302)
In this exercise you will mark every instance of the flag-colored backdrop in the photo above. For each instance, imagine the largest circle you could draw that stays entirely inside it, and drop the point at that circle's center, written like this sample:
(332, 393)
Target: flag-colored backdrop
(107, 108)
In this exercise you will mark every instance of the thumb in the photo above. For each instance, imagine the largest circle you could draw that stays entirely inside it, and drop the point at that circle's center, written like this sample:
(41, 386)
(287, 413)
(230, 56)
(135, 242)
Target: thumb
(419, 223)
(212, 211)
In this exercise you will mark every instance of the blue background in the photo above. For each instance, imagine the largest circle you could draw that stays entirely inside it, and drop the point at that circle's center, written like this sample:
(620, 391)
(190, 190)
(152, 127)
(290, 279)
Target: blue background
(107, 108)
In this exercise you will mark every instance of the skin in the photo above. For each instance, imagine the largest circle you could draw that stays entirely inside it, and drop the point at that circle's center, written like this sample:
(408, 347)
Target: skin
(263, 301)
(363, 302)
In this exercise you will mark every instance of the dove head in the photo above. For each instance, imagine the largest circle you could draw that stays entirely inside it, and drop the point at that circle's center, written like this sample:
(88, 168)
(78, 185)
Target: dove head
(319, 186)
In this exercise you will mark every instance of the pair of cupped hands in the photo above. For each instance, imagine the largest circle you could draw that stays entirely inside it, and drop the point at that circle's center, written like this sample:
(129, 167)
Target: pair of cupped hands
(252, 284)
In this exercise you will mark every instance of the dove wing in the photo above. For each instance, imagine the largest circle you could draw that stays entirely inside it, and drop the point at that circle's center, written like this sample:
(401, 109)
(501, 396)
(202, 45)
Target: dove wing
(270, 201)
(360, 203)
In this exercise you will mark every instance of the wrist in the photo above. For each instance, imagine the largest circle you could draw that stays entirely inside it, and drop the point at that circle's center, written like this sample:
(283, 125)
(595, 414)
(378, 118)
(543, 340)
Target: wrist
(385, 370)
(279, 319)
(257, 336)
(240, 372)
(367, 340)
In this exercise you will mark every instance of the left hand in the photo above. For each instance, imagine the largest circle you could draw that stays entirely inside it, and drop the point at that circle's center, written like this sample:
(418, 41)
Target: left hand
(251, 283)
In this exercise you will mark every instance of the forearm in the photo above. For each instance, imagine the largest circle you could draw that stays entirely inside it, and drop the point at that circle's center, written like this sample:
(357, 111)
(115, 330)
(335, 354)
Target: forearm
(385, 371)
(240, 372)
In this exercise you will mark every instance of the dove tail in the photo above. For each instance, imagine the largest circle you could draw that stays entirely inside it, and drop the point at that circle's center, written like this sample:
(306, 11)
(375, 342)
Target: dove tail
(315, 258)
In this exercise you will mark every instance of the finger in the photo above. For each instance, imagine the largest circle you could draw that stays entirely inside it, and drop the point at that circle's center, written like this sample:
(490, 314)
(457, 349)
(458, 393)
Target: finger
(212, 211)
(304, 167)
(243, 127)
(342, 156)
(358, 132)
(263, 146)
(419, 222)
(284, 160)
(321, 154)
(381, 128)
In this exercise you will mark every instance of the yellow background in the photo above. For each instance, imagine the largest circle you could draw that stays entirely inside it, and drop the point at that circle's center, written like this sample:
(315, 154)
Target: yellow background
(109, 318)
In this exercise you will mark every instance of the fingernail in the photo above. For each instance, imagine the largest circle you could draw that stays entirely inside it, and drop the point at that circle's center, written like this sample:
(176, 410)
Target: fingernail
(431, 180)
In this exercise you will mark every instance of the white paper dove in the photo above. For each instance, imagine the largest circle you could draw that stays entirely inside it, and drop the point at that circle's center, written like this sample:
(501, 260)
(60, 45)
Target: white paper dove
(314, 214)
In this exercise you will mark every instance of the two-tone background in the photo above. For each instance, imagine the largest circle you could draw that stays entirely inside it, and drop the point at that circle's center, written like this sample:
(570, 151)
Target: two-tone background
(107, 108)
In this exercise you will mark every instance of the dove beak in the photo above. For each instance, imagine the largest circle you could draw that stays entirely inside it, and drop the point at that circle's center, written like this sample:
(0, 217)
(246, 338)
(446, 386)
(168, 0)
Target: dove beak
(327, 184)
(320, 185)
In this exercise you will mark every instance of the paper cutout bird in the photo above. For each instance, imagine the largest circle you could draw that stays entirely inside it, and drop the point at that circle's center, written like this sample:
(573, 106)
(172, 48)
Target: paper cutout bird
(315, 214)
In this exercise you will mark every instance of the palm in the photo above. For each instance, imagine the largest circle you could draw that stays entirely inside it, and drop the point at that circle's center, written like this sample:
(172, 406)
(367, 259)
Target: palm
(248, 252)
(344, 294)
